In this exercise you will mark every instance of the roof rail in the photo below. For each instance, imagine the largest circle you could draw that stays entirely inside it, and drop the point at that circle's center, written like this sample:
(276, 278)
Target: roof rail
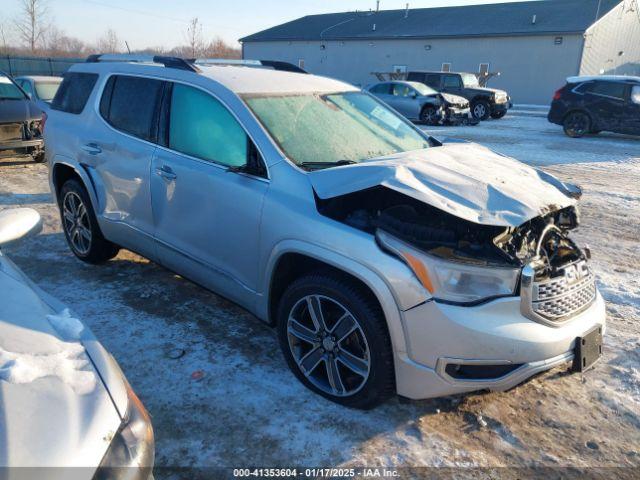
(274, 64)
(169, 62)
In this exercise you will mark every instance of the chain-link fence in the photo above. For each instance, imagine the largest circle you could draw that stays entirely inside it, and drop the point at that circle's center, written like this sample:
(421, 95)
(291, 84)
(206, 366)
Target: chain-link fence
(16, 66)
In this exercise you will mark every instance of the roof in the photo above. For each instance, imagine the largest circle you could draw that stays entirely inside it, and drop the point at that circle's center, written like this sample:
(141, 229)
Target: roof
(497, 19)
(606, 78)
(41, 78)
(238, 79)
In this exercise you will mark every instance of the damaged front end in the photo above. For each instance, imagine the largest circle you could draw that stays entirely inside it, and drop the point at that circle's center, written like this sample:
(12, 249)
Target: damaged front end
(466, 263)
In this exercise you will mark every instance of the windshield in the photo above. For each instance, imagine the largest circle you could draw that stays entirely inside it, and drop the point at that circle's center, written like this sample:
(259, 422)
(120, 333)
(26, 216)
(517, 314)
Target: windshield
(422, 88)
(469, 80)
(47, 90)
(8, 90)
(318, 131)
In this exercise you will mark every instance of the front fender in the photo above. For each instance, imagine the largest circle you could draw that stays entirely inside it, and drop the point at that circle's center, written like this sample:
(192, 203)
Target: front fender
(373, 280)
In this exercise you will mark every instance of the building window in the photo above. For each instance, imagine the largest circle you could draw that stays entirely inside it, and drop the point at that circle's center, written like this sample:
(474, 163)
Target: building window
(301, 63)
(483, 69)
(399, 69)
(446, 67)
(558, 40)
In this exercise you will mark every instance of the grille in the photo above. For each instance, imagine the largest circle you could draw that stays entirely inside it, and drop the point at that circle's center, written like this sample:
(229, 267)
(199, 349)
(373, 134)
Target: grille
(559, 298)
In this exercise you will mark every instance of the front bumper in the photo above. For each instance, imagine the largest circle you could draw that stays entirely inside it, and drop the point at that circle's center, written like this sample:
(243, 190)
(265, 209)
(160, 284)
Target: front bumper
(21, 144)
(493, 334)
(456, 114)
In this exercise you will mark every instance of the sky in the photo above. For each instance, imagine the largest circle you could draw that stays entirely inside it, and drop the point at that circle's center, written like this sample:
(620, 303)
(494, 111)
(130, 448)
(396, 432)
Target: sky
(158, 23)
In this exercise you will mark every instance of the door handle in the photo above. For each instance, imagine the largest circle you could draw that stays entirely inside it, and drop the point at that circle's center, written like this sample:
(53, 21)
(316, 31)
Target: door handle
(166, 173)
(92, 148)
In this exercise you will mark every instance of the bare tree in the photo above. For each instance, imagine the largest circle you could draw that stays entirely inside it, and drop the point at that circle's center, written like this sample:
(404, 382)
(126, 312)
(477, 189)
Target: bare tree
(59, 44)
(218, 48)
(109, 42)
(193, 36)
(4, 47)
(32, 23)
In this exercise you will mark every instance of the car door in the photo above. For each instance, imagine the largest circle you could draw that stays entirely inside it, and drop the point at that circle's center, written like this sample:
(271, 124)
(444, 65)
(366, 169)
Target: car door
(404, 100)
(117, 149)
(206, 211)
(607, 102)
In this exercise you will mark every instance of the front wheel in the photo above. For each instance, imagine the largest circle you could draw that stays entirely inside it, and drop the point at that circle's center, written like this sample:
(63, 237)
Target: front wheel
(335, 341)
(429, 115)
(480, 109)
(577, 124)
(80, 226)
(498, 115)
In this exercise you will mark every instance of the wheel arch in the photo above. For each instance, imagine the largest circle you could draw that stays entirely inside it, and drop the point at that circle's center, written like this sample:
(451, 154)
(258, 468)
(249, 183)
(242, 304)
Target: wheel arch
(292, 258)
(579, 110)
(62, 171)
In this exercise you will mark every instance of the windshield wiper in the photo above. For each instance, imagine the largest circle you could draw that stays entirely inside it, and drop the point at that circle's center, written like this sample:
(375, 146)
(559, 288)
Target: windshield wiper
(317, 165)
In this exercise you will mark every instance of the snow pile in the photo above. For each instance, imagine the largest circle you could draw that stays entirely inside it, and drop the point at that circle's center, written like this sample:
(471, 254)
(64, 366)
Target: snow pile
(70, 364)
(67, 326)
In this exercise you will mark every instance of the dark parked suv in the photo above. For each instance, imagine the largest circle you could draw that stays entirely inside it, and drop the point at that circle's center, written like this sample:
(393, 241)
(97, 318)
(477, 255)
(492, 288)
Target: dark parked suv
(20, 122)
(485, 102)
(593, 104)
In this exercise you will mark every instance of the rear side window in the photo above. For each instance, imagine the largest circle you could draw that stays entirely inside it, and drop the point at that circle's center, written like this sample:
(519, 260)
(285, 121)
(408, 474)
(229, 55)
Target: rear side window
(74, 92)
(416, 77)
(433, 81)
(202, 127)
(131, 104)
(608, 89)
(401, 90)
(452, 81)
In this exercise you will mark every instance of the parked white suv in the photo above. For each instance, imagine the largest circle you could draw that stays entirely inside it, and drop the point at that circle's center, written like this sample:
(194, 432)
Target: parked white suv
(388, 261)
(66, 409)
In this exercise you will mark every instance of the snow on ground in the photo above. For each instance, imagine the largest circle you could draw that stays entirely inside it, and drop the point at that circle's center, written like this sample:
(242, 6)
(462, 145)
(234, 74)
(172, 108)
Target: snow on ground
(243, 406)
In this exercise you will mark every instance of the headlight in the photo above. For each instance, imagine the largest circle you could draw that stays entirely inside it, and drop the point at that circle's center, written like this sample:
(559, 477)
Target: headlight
(450, 281)
(132, 451)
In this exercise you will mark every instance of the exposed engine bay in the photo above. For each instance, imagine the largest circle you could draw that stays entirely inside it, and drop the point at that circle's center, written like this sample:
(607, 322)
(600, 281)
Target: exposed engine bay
(543, 239)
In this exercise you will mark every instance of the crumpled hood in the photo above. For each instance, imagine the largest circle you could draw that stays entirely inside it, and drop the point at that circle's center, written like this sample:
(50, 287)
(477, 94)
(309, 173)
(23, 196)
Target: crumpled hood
(484, 90)
(463, 179)
(54, 409)
(18, 111)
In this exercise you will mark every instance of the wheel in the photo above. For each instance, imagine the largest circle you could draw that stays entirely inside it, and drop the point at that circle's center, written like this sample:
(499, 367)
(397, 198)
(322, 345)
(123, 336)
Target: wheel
(480, 109)
(81, 227)
(335, 340)
(577, 124)
(429, 115)
(498, 115)
(38, 156)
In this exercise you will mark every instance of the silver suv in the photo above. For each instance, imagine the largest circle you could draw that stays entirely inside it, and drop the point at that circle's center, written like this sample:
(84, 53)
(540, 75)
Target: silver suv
(387, 261)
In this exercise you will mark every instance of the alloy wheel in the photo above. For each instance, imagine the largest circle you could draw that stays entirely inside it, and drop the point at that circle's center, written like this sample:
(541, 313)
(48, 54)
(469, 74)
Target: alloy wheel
(429, 115)
(479, 110)
(76, 223)
(328, 345)
(577, 124)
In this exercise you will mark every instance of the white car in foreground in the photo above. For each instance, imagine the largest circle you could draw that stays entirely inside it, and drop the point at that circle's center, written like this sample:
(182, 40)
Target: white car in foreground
(64, 401)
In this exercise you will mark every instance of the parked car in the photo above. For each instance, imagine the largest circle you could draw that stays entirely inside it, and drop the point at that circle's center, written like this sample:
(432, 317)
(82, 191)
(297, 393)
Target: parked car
(65, 401)
(420, 103)
(485, 102)
(387, 260)
(594, 104)
(40, 89)
(20, 122)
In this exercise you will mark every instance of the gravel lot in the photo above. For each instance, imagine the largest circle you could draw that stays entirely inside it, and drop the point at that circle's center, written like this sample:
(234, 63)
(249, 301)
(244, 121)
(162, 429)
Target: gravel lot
(248, 409)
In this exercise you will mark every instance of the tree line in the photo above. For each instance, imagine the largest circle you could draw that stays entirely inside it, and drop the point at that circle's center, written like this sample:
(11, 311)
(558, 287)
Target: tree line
(33, 32)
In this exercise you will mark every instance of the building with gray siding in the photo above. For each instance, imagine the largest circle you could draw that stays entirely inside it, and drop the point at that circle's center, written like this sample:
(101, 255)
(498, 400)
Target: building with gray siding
(534, 45)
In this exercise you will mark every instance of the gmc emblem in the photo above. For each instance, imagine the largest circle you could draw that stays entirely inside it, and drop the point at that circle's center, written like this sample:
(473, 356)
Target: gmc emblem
(576, 272)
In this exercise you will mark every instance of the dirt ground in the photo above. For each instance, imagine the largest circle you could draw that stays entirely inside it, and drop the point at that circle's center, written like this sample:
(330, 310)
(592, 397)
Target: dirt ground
(248, 409)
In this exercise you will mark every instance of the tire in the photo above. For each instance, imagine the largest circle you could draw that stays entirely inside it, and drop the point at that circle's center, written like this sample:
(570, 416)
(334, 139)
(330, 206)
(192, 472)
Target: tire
(498, 115)
(80, 226)
(576, 124)
(429, 115)
(480, 109)
(38, 157)
(367, 348)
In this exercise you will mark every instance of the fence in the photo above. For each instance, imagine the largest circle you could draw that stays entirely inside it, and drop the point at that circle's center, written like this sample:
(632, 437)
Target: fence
(16, 66)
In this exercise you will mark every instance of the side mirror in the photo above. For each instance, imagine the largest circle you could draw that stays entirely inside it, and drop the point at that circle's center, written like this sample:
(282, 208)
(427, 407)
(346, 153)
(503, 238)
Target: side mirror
(18, 223)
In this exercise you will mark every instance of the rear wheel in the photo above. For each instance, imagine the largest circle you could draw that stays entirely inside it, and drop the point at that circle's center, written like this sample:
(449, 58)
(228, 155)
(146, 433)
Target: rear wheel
(480, 109)
(335, 340)
(577, 124)
(429, 115)
(81, 227)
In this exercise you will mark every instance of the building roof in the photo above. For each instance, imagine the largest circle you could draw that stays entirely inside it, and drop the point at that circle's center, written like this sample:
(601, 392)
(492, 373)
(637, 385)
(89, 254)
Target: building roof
(497, 19)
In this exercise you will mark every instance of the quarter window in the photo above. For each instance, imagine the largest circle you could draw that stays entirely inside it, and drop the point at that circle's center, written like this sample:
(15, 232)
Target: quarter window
(74, 92)
(131, 104)
(202, 127)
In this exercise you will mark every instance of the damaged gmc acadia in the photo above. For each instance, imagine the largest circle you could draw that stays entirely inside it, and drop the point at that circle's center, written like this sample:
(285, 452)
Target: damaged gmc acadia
(388, 261)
